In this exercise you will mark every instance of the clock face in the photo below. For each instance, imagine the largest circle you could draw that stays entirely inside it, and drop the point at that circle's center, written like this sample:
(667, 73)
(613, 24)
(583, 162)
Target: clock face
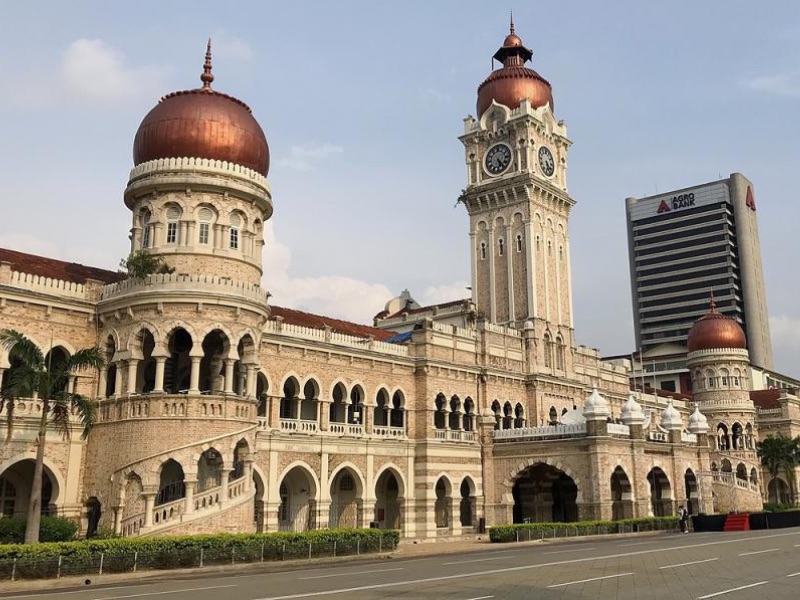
(546, 161)
(497, 159)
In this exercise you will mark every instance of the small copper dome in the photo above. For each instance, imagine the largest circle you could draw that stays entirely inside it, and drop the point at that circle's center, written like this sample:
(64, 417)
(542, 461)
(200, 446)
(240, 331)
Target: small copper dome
(514, 82)
(715, 331)
(202, 123)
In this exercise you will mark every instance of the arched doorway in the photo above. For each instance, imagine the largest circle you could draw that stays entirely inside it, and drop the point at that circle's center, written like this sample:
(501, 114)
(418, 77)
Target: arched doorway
(443, 504)
(543, 493)
(692, 492)
(297, 510)
(15, 489)
(94, 511)
(171, 485)
(259, 520)
(466, 507)
(178, 368)
(621, 495)
(345, 510)
(387, 501)
(660, 493)
(209, 470)
(778, 491)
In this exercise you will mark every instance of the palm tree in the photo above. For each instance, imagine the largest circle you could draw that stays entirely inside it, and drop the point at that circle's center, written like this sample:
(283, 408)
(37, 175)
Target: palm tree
(35, 374)
(780, 452)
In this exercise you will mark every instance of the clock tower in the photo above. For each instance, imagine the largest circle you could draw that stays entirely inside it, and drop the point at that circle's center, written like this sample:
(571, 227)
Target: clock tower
(517, 200)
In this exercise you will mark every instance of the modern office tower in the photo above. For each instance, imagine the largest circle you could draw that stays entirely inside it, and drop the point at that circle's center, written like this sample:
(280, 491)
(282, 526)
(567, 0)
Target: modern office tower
(686, 244)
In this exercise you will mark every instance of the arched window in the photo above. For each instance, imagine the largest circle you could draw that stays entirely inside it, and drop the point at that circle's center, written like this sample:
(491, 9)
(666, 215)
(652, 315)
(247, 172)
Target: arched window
(205, 216)
(553, 415)
(236, 224)
(548, 350)
(173, 217)
(519, 243)
(560, 362)
(483, 250)
(8, 498)
(501, 246)
(144, 221)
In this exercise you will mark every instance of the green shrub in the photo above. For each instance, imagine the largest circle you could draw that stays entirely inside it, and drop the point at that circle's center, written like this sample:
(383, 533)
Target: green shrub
(532, 531)
(51, 529)
(120, 554)
(778, 507)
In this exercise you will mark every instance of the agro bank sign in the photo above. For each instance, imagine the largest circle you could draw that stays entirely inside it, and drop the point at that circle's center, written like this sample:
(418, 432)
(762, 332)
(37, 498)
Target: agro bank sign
(679, 201)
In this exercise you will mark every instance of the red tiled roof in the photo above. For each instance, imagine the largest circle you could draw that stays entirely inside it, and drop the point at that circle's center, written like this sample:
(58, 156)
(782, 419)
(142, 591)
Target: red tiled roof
(426, 308)
(56, 269)
(766, 398)
(304, 319)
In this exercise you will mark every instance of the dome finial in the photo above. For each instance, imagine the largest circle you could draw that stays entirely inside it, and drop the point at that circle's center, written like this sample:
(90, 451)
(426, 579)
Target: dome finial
(712, 306)
(207, 76)
(512, 23)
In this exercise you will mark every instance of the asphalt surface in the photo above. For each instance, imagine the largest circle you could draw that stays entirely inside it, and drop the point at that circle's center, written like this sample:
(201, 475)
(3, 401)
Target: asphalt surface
(674, 566)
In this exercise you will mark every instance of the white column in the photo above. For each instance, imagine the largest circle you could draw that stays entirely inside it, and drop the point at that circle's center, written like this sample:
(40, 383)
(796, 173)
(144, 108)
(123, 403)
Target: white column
(474, 266)
(118, 379)
(149, 504)
(132, 373)
(194, 377)
(510, 249)
(229, 362)
(161, 361)
(531, 268)
(492, 290)
(2, 371)
(102, 381)
(252, 375)
(569, 280)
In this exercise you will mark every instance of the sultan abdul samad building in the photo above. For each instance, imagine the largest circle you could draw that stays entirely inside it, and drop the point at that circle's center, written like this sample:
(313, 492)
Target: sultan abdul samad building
(220, 412)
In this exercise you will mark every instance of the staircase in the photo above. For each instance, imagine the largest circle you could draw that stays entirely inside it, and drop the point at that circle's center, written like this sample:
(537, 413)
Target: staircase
(737, 522)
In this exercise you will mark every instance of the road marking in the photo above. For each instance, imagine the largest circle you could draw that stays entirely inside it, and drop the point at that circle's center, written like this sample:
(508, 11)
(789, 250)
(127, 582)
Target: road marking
(574, 550)
(793, 575)
(694, 562)
(637, 544)
(211, 587)
(353, 573)
(555, 585)
(481, 598)
(759, 552)
(744, 587)
(523, 567)
(463, 562)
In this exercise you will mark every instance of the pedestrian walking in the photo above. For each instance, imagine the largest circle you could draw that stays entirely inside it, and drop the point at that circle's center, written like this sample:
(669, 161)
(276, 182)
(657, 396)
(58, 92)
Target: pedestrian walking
(683, 515)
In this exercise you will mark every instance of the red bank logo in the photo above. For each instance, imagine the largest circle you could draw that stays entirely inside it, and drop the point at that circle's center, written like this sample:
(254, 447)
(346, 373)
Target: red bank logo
(749, 201)
(676, 202)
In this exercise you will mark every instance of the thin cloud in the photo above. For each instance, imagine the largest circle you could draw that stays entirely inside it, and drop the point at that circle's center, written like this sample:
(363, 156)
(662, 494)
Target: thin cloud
(90, 72)
(781, 84)
(332, 295)
(232, 48)
(303, 157)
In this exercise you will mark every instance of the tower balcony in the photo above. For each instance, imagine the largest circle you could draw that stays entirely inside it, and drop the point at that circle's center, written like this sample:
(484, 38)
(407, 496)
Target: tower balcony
(180, 287)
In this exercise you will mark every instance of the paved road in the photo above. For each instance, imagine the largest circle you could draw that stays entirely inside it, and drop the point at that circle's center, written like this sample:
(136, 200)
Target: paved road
(701, 566)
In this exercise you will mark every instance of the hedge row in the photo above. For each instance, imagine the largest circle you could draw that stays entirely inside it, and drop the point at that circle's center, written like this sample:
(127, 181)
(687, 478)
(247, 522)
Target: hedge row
(51, 529)
(530, 531)
(121, 555)
(777, 507)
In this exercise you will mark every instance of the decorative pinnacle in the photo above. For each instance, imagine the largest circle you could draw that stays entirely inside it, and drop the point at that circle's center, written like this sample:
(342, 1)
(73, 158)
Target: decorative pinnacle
(512, 22)
(207, 76)
(712, 306)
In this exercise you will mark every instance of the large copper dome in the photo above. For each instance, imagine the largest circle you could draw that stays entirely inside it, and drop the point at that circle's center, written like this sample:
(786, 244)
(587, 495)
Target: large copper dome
(202, 123)
(715, 331)
(514, 82)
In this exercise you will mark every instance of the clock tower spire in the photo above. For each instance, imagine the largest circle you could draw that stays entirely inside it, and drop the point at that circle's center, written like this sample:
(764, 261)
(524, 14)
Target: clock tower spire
(517, 200)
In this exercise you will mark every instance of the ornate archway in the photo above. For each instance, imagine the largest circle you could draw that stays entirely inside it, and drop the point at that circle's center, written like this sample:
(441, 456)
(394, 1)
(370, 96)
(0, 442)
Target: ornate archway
(543, 493)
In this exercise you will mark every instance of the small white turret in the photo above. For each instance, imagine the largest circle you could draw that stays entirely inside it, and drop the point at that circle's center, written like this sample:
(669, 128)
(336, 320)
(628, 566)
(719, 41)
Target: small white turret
(632, 413)
(698, 423)
(596, 407)
(671, 418)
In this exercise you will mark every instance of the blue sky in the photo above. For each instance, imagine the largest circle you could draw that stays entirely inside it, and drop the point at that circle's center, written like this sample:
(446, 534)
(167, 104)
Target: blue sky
(362, 103)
